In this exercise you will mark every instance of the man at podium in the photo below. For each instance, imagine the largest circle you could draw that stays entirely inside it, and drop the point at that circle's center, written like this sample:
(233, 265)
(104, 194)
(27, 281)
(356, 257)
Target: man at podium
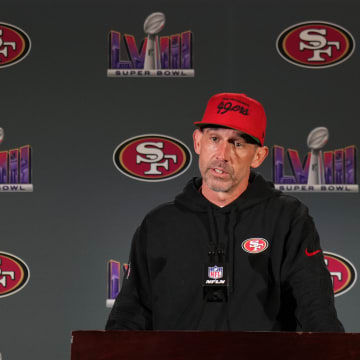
(230, 252)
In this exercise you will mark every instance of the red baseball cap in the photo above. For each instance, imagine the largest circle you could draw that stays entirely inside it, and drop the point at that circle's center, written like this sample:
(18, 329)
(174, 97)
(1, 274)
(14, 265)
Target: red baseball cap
(236, 111)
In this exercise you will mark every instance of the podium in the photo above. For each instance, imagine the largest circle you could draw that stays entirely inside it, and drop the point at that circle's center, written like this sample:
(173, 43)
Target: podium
(197, 345)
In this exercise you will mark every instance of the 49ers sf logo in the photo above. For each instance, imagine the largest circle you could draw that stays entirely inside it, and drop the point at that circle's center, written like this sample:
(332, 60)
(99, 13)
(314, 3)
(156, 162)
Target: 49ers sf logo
(315, 44)
(14, 274)
(342, 271)
(152, 157)
(14, 44)
(255, 245)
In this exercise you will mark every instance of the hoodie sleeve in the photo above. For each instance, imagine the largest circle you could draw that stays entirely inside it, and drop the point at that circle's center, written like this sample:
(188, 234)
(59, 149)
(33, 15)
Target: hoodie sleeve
(306, 278)
(132, 307)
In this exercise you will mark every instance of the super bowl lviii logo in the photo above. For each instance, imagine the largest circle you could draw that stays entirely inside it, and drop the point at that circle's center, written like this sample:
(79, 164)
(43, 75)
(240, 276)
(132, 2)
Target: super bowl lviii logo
(167, 56)
(328, 171)
(152, 157)
(116, 274)
(343, 272)
(315, 44)
(15, 168)
(14, 274)
(14, 44)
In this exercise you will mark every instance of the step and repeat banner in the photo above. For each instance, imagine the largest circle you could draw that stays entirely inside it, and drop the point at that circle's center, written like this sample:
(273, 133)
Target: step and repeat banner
(97, 104)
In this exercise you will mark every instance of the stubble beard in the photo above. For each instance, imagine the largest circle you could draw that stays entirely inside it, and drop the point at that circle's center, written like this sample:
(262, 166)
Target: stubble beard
(218, 184)
(215, 184)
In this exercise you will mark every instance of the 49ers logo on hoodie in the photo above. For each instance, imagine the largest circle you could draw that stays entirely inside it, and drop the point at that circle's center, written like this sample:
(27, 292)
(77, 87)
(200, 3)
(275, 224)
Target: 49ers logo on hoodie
(342, 271)
(255, 245)
(315, 44)
(152, 157)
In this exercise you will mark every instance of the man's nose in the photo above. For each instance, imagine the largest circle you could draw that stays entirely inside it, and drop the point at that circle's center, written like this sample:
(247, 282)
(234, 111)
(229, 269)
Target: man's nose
(223, 151)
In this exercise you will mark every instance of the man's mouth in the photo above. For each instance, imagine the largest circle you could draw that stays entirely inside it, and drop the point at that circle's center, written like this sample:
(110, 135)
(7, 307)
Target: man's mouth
(220, 172)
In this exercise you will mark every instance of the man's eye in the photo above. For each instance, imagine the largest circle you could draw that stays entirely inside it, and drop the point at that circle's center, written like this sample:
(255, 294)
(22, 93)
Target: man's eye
(238, 144)
(213, 138)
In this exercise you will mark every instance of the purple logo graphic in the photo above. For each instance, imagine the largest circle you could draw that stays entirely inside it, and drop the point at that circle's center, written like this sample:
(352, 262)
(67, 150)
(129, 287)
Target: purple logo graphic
(328, 171)
(215, 272)
(114, 280)
(167, 56)
(15, 170)
(116, 275)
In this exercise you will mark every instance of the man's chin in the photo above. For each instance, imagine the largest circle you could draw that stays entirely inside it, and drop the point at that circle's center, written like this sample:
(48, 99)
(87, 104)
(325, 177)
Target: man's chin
(219, 189)
(218, 185)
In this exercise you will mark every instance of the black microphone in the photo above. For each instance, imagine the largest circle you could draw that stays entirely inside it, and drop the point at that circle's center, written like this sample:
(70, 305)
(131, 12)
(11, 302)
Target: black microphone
(216, 283)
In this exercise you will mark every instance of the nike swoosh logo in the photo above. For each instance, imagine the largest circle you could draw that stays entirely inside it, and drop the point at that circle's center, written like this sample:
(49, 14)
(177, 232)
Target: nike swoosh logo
(311, 253)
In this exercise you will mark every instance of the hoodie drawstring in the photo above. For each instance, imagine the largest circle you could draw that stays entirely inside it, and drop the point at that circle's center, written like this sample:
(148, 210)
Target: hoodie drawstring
(231, 252)
(231, 248)
(213, 235)
(216, 248)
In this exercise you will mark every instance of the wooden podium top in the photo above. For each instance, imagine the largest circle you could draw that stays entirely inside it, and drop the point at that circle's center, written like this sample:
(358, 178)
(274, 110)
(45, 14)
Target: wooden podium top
(196, 345)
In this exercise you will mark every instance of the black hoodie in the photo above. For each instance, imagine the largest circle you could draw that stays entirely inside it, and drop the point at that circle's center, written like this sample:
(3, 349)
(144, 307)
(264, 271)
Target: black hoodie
(284, 286)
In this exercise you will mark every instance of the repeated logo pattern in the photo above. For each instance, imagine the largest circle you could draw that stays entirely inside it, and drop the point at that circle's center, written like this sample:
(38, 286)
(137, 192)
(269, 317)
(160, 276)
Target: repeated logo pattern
(315, 44)
(152, 157)
(15, 45)
(14, 274)
(343, 272)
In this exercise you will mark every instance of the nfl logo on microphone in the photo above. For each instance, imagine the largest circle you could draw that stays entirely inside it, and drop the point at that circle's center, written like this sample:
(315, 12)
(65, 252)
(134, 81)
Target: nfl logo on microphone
(215, 272)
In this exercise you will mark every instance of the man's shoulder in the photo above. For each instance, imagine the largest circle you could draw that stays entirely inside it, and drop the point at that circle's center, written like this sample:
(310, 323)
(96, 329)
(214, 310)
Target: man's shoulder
(289, 203)
(164, 210)
(264, 194)
(287, 199)
(163, 218)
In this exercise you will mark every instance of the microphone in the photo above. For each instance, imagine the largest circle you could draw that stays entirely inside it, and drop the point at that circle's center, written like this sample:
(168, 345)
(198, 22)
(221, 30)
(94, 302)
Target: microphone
(216, 282)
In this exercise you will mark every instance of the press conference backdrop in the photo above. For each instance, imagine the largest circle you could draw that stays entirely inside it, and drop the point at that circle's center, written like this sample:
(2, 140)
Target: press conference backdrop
(80, 102)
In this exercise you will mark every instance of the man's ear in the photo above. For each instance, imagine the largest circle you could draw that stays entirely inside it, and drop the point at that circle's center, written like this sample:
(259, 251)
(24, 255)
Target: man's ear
(260, 155)
(197, 136)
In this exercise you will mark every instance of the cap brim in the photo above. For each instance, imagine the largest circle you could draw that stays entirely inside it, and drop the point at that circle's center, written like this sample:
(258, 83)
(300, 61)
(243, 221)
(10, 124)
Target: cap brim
(202, 124)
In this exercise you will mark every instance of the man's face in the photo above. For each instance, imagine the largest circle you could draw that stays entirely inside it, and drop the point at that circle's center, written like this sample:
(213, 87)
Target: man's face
(225, 158)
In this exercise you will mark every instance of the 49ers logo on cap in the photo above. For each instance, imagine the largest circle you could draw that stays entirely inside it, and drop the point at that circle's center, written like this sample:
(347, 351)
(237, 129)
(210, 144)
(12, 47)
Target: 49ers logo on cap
(14, 274)
(152, 157)
(14, 44)
(255, 245)
(315, 44)
(342, 271)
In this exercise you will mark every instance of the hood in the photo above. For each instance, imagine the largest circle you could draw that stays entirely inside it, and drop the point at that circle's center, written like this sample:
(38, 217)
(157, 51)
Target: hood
(257, 191)
(222, 241)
